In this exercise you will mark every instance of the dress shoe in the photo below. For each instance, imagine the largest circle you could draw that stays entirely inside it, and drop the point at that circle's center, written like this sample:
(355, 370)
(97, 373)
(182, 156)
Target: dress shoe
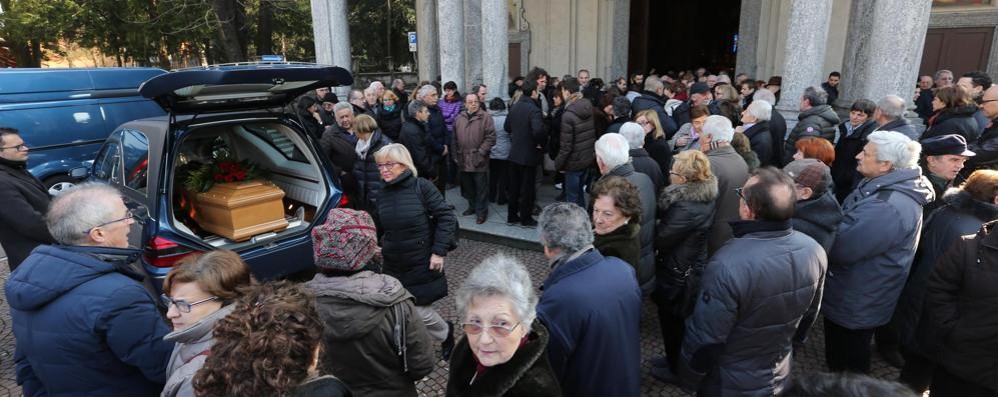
(665, 375)
(659, 361)
(448, 344)
(512, 220)
(469, 211)
(481, 219)
(528, 222)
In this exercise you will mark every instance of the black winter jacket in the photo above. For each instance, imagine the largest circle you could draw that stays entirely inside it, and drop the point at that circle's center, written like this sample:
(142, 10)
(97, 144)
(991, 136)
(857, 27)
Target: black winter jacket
(368, 177)
(844, 172)
(527, 373)
(660, 151)
(818, 217)
(778, 129)
(578, 137)
(954, 121)
(821, 120)
(646, 190)
(761, 140)
(416, 139)
(527, 132)
(22, 223)
(986, 150)
(390, 122)
(648, 100)
(961, 299)
(686, 212)
(416, 222)
(644, 164)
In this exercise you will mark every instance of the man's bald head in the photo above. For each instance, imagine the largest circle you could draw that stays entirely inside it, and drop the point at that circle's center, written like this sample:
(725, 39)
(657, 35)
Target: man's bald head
(768, 195)
(989, 102)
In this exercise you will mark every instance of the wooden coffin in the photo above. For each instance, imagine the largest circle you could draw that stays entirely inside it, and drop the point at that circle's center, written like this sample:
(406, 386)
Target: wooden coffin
(241, 210)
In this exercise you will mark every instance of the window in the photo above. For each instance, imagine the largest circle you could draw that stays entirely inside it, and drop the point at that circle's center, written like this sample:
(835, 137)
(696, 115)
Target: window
(279, 141)
(107, 167)
(135, 153)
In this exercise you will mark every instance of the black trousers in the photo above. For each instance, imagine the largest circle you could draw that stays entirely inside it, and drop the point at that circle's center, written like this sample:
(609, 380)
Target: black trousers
(847, 350)
(498, 180)
(475, 189)
(673, 327)
(441, 181)
(945, 384)
(917, 372)
(521, 192)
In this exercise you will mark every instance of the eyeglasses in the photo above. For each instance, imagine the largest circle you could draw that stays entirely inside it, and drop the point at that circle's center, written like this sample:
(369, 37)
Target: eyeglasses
(497, 331)
(128, 215)
(982, 102)
(181, 304)
(738, 191)
(19, 148)
(387, 166)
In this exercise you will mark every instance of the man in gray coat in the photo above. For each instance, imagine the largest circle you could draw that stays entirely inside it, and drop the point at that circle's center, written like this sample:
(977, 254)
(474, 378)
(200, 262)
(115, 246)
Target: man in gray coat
(758, 291)
(874, 247)
(731, 171)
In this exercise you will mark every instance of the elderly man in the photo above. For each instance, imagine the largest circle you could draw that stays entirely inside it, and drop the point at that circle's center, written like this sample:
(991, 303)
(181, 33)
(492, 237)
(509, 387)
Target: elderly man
(759, 290)
(613, 158)
(24, 198)
(699, 95)
(592, 307)
(817, 212)
(643, 163)
(652, 98)
(731, 172)
(475, 134)
(777, 124)
(924, 97)
(415, 139)
(527, 133)
(889, 116)
(986, 146)
(874, 247)
(944, 158)
(343, 112)
(817, 118)
(440, 138)
(84, 323)
(944, 78)
(578, 135)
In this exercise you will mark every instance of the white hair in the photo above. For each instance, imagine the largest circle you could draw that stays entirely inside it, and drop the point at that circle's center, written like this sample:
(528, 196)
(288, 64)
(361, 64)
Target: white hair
(634, 134)
(718, 128)
(369, 90)
(565, 227)
(72, 214)
(653, 83)
(375, 85)
(500, 276)
(613, 150)
(425, 90)
(342, 106)
(764, 95)
(897, 148)
(761, 110)
(891, 107)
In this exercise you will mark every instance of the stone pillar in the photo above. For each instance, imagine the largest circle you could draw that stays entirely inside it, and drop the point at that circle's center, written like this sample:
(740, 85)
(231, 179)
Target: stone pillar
(805, 53)
(621, 32)
(748, 38)
(450, 17)
(427, 51)
(495, 47)
(472, 43)
(332, 36)
(856, 56)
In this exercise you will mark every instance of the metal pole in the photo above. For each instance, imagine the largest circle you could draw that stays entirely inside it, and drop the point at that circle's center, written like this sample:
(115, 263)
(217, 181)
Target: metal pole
(388, 23)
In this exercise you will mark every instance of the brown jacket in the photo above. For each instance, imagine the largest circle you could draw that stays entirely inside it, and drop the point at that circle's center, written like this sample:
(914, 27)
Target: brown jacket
(475, 135)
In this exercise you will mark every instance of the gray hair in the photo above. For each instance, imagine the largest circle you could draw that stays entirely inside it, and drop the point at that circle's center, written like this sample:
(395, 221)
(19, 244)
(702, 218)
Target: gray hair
(718, 128)
(653, 83)
(613, 150)
(621, 106)
(565, 227)
(425, 90)
(815, 95)
(342, 105)
(891, 107)
(415, 107)
(370, 90)
(761, 110)
(73, 213)
(723, 78)
(897, 148)
(634, 134)
(939, 74)
(500, 276)
(375, 84)
(764, 95)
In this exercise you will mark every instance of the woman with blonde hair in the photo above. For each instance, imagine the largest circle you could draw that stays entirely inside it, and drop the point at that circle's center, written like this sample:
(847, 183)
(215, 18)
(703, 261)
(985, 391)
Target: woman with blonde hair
(656, 144)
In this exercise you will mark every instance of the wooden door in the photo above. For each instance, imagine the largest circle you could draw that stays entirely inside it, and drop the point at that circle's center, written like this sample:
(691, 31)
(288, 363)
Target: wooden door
(960, 50)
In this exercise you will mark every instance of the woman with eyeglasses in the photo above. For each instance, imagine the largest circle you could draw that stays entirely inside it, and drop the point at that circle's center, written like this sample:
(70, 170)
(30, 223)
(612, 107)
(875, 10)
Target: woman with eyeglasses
(503, 351)
(197, 293)
(418, 228)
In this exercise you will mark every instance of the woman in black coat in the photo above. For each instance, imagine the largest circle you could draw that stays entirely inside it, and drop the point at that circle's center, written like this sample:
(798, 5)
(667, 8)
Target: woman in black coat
(390, 116)
(370, 139)
(617, 219)
(419, 229)
(686, 211)
(954, 114)
(849, 142)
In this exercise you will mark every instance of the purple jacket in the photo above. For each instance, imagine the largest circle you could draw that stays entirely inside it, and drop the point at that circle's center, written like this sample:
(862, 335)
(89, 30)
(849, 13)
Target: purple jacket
(450, 111)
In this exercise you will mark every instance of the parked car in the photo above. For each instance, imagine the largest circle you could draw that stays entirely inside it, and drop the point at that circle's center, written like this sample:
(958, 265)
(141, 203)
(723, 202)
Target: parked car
(65, 115)
(245, 112)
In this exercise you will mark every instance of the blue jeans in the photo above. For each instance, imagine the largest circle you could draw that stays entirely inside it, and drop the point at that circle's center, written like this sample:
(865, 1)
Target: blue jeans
(573, 187)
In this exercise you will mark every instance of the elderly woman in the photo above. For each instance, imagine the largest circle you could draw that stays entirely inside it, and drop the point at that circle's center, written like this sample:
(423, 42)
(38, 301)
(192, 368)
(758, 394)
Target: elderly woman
(390, 115)
(419, 229)
(954, 114)
(617, 219)
(365, 171)
(688, 136)
(504, 351)
(274, 323)
(813, 147)
(197, 293)
(374, 340)
(755, 126)
(655, 144)
(686, 209)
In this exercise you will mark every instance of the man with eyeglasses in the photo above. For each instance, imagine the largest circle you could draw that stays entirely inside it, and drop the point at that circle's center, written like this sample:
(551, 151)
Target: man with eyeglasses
(24, 198)
(986, 146)
(83, 321)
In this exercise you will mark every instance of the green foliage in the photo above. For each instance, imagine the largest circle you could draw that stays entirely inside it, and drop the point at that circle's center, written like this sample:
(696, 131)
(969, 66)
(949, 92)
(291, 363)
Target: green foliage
(369, 32)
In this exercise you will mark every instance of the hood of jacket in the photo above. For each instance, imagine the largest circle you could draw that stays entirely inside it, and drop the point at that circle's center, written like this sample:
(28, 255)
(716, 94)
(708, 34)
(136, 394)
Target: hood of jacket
(581, 108)
(909, 182)
(52, 271)
(702, 191)
(353, 300)
(649, 96)
(962, 200)
(824, 111)
(822, 211)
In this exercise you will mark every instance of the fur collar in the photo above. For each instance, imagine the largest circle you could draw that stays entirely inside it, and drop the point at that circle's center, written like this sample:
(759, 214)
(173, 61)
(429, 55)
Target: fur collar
(961, 200)
(528, 368)
(703, 191)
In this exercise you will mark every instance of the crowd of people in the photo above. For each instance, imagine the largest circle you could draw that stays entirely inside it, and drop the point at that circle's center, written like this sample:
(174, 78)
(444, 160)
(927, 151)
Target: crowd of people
(688, 189)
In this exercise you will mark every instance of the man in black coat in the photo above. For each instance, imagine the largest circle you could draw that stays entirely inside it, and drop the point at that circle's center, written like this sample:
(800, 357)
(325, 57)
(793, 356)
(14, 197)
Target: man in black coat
(415, 138)
(24, 198)
(986, 146)
(923, 99)
(439, 137)
(527, 134)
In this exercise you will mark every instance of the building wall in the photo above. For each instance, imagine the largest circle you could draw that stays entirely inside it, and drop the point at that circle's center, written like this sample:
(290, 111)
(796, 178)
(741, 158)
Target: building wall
(568, 35)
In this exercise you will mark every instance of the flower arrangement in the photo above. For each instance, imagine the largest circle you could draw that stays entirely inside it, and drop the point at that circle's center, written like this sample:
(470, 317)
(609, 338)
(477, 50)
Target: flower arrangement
(202, 178)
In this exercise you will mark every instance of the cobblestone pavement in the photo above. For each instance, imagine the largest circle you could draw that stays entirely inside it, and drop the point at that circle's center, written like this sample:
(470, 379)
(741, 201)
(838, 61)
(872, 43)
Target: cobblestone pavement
(458, 264)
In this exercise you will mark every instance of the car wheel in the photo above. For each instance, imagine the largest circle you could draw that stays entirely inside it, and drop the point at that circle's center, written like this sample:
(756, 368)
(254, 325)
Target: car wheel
(59, 183)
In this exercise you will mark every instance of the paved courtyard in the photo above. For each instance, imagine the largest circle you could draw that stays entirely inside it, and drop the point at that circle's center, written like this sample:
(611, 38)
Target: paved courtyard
(458, 264)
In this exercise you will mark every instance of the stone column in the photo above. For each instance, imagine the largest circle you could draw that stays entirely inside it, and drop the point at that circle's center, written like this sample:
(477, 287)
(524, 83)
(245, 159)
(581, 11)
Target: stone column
(472, 43)
(450, 17)
(807, 33)
(332, 35)
(621, 31)
(427, 51)
(856, 54)
(495, 47)
(748, 38)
